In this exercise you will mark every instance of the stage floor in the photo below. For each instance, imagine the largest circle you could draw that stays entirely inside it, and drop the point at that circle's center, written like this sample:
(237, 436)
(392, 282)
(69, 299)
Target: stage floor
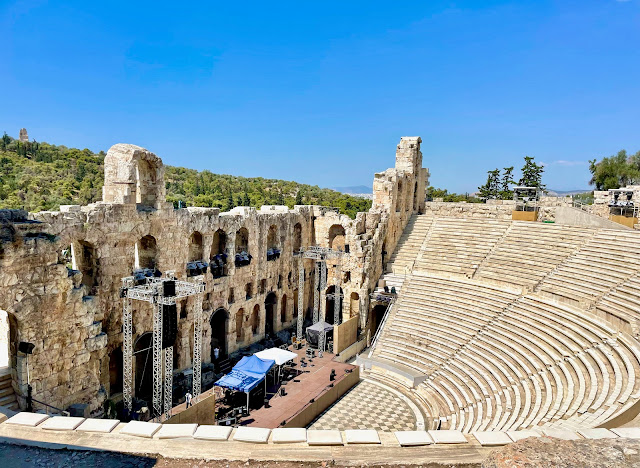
(312, 384)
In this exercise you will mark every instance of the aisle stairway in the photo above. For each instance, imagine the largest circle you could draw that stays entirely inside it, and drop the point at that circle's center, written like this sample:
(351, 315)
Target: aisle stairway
(7, 396)
(495, 325)
(496, 360)
(409, 245)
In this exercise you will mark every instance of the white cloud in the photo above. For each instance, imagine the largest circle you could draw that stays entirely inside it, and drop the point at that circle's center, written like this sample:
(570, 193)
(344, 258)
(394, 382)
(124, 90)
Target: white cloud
(565, 163)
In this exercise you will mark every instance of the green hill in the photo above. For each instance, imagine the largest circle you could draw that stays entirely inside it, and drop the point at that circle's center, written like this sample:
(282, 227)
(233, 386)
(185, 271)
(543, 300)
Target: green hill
(39, 176)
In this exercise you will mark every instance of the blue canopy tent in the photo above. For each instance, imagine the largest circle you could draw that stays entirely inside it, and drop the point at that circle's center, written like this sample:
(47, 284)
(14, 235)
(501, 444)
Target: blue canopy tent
(246, 375)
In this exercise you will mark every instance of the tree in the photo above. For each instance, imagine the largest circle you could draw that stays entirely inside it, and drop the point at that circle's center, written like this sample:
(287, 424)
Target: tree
(505, 192)
(615, 171)
(299, 200)
(531, 174)
(246, 201)
(6, 139)
(230, 204)
(490, 190)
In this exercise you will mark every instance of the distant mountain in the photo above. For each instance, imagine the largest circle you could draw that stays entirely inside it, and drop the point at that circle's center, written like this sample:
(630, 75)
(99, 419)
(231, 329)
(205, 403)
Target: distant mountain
(567, 192)
(357, 189)
(40, 176)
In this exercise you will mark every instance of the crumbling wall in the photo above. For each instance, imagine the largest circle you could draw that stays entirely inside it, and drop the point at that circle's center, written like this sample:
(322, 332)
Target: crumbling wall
(76, 324)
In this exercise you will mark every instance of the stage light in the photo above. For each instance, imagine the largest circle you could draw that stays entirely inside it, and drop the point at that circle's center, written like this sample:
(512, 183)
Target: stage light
(26, 348)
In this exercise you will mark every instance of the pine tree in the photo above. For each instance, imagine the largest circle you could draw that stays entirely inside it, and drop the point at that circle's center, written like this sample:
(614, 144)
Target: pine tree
(531, 174)
(299, 200)
(246, 201)
(505, 192)
(230, 204)
(6, 139)
(490, 190)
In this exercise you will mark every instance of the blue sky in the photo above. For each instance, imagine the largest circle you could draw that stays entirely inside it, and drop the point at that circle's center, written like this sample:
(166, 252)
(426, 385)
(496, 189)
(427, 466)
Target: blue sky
(321, 92)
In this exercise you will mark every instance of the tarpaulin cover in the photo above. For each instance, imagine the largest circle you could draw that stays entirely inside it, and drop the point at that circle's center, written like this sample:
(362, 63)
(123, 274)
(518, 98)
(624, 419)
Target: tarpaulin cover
(313, 332)
(280, 356)
(239, 381)
(255, 366)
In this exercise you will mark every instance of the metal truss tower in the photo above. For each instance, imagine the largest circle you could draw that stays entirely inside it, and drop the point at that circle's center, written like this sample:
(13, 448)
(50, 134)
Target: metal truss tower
(152, 291)
(197, 348)
(300, 299)
(321, 256)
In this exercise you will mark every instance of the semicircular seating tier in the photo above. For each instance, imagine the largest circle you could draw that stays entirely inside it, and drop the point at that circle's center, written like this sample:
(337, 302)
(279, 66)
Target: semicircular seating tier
(516, 331)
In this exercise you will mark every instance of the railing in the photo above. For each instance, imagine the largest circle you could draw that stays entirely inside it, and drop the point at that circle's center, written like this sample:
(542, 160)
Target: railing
(47, 406)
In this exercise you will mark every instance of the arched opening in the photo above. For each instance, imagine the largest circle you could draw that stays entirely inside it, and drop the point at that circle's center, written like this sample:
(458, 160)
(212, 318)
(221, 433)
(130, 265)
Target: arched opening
(297, 237)
(218, 263)
(116, 374)
(145, 253)
(243, 257)
(5, 340)
(239, 325)
(330, 301)
(242, 240)
(337, 237)
(269, 308)
(272, 237)
(218, 323)
(144, 366)
(283, 309)
(354, 305)
(255, 320)
(415, 197)
(196, 251)
(84, 259)
(273, 243)
(384, 254)
(399, 197)
(145, 183)
(377, 314)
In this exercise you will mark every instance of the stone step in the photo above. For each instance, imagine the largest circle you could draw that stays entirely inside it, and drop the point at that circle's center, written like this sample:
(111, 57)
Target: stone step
(5, 401)
(6, 392)
(5, 384)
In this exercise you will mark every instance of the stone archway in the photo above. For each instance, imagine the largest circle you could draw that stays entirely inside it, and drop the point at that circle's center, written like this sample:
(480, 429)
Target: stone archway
(297, 237)
(5, 340)
(354, 305)
(85, 260)
(255, 320)
(337, 237)
(146, 252)
(116, 374)
(219, 324)
(196, 251)
(330, 304)
(270, 304)
(283, 309)
(377, 314)
(133, 175)
(144, 366)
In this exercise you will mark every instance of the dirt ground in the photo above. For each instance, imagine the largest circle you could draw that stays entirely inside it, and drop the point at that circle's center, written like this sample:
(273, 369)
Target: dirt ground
(17, 456)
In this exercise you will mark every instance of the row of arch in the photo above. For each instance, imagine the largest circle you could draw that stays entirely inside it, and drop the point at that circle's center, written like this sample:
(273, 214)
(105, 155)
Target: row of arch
(81, 255)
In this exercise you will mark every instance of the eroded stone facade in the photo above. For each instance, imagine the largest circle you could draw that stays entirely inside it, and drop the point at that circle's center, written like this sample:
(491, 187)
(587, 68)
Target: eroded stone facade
(60, 272)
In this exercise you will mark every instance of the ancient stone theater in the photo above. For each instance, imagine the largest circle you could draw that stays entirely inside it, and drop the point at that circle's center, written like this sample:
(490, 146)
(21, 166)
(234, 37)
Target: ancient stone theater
(458, 326)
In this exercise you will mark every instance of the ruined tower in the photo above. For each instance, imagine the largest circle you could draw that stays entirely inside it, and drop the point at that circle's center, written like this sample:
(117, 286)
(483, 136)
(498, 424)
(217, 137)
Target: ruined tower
(24, 136)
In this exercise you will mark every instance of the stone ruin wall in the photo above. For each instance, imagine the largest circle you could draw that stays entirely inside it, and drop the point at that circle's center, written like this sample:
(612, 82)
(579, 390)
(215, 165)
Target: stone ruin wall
(494, 209)
(75, 319)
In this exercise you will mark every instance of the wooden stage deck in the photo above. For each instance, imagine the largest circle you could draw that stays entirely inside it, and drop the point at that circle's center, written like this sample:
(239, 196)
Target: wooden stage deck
(296, 407)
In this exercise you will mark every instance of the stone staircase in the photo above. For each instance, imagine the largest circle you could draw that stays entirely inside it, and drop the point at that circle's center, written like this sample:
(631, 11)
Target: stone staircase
(7, 396)
(392, 280)
(409, 245)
